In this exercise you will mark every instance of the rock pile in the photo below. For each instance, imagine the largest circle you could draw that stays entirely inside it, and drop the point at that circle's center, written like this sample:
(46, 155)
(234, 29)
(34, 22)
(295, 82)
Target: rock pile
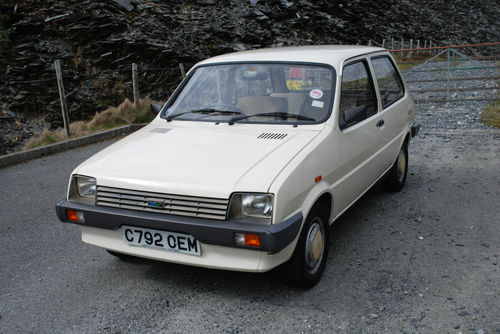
(97, 42)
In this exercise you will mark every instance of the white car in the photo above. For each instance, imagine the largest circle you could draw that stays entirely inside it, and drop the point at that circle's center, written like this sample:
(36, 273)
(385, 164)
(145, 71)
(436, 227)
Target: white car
(251, 159)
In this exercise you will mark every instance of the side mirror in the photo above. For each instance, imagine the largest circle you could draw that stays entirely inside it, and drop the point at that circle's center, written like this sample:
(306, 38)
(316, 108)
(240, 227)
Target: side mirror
(155, 108)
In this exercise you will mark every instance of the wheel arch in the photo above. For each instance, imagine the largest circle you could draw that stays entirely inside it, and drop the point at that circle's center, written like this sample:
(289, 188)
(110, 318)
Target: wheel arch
(407, 139)
(320, 196)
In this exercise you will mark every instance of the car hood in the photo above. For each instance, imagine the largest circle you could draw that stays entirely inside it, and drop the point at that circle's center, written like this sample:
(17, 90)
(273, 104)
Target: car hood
(207, 161)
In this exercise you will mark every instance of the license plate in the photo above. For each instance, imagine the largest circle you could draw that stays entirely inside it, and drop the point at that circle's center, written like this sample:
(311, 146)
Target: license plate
(169, 241)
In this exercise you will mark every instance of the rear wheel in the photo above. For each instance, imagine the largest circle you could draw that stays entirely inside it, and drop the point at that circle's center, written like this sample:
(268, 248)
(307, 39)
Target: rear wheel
(308, 261)
(396, 177)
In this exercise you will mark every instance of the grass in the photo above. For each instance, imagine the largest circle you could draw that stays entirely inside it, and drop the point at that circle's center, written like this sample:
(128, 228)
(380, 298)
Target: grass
(112, 117)
(406, 64)
(491, 114)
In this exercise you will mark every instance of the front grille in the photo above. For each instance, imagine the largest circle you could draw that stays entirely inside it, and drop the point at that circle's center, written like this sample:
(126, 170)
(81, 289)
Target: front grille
(212, 208)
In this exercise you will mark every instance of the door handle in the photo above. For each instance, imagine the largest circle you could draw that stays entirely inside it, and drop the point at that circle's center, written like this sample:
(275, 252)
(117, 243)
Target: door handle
(380, 123)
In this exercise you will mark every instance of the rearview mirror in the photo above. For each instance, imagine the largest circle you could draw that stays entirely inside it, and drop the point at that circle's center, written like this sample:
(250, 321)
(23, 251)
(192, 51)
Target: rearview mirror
(254, 75)
(155, 108)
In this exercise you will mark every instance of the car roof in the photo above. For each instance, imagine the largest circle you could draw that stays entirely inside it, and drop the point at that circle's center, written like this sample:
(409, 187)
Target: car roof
(334, 55)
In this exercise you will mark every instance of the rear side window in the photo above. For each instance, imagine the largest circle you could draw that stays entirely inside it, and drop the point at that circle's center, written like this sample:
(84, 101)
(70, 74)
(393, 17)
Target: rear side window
(357, 98)
(388, 80)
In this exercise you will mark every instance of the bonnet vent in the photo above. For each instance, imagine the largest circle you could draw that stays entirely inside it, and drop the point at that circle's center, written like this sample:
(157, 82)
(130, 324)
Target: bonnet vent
(270, 135)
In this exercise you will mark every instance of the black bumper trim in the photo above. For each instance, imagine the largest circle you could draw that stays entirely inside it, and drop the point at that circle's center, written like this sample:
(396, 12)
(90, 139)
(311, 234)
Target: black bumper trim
(273, 237)
(415, 129)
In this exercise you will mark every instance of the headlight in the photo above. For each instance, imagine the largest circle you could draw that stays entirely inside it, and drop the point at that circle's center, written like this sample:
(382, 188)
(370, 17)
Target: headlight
(82, 189)
(252, 205)
(86, 186)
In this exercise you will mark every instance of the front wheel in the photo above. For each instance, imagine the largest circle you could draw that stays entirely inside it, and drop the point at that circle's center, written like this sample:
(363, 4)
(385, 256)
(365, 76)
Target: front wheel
(309, 258)
(396, 177)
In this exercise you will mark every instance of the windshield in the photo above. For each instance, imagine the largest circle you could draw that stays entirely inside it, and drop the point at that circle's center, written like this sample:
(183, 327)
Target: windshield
(255, 93)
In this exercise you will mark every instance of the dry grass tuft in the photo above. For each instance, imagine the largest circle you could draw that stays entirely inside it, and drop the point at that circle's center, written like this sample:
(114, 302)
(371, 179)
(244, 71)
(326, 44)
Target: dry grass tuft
(112, 117)
(491, 114)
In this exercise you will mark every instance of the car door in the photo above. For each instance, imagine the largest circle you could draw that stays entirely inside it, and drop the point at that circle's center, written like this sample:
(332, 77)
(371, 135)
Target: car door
(395, 107)
(356, 144)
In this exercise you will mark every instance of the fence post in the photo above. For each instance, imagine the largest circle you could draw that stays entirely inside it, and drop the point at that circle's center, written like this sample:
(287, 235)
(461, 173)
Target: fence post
(448, 76)
(392, 43)
(411, 46)
(383, 43)
(369, 42)
(62, 96)
(135, 85)
(2, 146)
(183, 72)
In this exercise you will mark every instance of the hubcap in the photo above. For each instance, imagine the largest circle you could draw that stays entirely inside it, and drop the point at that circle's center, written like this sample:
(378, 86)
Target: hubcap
(315, 245)
(401, 165)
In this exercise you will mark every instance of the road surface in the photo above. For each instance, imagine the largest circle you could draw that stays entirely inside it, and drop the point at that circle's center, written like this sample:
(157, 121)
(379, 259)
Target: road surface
(422, 260)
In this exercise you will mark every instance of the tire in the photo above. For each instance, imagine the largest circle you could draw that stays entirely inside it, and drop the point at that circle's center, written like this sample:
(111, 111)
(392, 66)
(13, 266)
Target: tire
(396, 177)
(308, 261)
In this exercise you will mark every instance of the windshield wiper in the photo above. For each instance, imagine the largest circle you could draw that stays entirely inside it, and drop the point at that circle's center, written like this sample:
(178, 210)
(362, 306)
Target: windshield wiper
(278, 114)
(221, 112)
(204, 111)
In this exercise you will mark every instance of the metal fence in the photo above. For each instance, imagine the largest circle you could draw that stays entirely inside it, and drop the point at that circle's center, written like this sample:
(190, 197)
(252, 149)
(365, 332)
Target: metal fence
(454, 73)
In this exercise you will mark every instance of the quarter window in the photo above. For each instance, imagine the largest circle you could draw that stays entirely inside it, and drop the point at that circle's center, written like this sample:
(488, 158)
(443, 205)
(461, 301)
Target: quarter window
(357, 99)
(388, 80)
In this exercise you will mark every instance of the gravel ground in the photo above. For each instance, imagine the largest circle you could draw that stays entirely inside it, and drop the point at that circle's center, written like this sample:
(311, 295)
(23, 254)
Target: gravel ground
(424, 260)
(453, 115)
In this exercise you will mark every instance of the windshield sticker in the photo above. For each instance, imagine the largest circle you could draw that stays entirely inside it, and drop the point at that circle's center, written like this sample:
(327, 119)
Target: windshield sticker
(317, 104)
(169, 110)
(316, 94)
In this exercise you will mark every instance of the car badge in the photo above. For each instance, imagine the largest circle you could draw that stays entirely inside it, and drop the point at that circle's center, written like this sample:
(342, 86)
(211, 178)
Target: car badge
(155, 204)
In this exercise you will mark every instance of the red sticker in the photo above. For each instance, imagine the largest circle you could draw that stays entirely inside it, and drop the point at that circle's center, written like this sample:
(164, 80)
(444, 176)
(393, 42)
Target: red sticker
(316, 94)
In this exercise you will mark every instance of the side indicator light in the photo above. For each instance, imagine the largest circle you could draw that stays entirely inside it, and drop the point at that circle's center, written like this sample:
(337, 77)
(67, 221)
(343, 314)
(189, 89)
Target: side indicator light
(318, 178)
(75, 216)
(247, 239)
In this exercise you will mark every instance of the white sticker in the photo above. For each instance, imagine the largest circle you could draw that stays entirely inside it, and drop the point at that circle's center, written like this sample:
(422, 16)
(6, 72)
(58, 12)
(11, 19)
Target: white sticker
(318, 104)
(316, 94)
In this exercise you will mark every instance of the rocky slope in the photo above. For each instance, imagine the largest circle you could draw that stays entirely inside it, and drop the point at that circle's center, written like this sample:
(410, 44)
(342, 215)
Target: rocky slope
(97, 42)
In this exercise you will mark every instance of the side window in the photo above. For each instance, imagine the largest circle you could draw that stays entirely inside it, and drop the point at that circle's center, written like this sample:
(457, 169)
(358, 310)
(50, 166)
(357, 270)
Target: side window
(388, 80)
(357, 98)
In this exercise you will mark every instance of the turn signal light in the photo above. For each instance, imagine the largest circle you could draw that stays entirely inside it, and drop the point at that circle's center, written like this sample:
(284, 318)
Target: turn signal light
(75, 216)
(252, 240)
(247, 239)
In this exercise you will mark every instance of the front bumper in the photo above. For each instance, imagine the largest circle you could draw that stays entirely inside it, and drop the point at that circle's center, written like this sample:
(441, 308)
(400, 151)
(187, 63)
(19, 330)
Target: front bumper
(273, 237)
